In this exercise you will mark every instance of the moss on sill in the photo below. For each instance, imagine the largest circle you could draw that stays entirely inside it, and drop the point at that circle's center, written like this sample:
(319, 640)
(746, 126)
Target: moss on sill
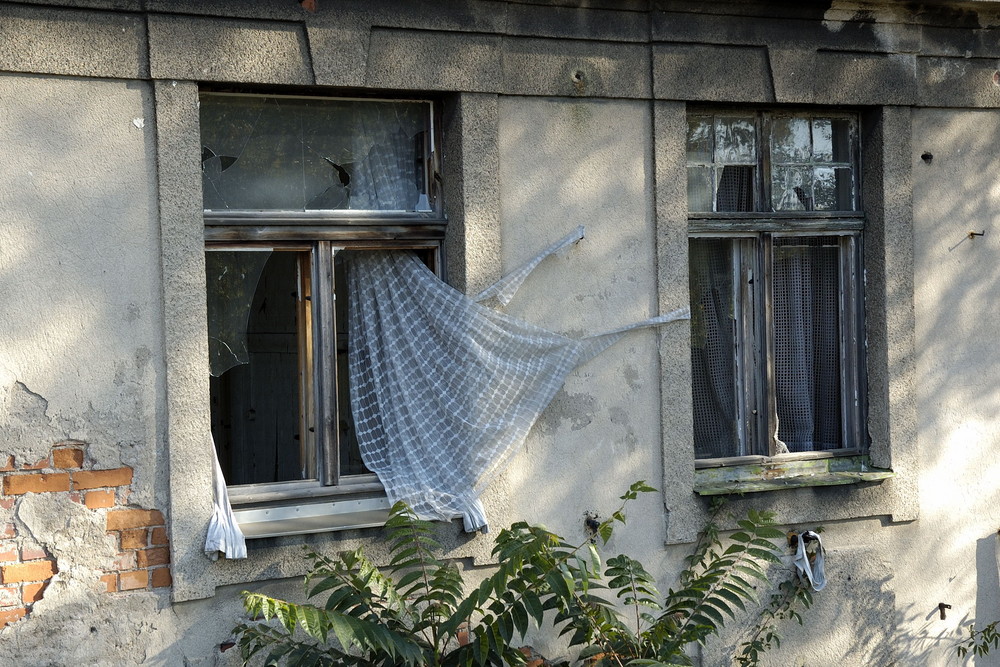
(775, 475)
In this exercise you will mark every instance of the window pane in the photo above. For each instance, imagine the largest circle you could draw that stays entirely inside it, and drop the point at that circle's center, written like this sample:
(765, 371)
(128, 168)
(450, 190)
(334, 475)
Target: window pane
(699, 188)
(275, 153)
(256, 417)
(790, 141)
(735, 140)
(735, 189)
(807, 342)
(833, 189)
(347, 440)
(713, 348)
(791, 189)
(699, 140)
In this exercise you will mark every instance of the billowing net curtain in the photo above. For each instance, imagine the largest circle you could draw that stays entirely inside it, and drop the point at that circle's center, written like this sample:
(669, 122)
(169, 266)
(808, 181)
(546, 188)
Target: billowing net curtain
(443, 388)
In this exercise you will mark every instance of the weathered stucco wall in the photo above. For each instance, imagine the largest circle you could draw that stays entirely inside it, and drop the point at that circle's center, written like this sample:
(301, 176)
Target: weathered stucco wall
(554, 116)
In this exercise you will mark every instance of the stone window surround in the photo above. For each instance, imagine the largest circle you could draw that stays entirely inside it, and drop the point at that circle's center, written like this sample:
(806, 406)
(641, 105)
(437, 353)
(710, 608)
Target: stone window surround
(472, 199)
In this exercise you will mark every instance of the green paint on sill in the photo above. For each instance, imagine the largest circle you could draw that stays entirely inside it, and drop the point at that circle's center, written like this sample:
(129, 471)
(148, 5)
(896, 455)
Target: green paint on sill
(775, 475)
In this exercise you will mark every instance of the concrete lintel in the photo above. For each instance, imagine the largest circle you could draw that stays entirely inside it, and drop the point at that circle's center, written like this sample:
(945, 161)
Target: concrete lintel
(807, 76)
(200, 49)
(72, 42)
(424, 60)
(712, 73)
(575, 68)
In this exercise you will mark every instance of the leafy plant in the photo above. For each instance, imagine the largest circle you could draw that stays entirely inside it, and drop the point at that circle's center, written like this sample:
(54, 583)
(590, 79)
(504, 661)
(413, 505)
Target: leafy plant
(415, 614)
(781, 607)
(980, 642)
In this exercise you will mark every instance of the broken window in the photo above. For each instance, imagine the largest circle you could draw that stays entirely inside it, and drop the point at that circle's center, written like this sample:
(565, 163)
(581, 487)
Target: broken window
(291, 186)
(775, 283)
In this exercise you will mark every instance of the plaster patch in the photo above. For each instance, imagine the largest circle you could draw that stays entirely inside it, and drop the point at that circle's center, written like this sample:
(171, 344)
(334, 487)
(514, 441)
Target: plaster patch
(577, 409)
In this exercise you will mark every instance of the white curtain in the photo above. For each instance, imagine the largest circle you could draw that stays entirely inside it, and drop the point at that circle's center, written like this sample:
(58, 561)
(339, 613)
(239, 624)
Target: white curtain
(444, 389)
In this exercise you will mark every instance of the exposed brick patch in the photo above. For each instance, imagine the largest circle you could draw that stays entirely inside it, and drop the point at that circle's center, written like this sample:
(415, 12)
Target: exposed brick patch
(31, 593)
(35, 570)
(132, 518)
(41, 464)
(153, 557)
(161, 577)
(11, 616)
(39, 482)
(134, 538)
(26, 568)
(99, 499)
(67, 458)
(130, 581)
(158, 538)
(98, 479)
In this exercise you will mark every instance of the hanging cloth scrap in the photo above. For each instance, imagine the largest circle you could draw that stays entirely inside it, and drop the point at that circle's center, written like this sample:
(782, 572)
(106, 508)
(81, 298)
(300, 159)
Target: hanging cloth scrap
(443, 389)
(224, 534)
(814, 571)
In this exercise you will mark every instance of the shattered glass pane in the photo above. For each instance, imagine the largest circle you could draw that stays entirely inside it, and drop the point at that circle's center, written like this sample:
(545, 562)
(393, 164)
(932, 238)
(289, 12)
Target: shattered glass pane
(297, 154)
(699, 140)
(231, 278)
(699, 188)
(735, 140)
(790, 141)
(791, 189)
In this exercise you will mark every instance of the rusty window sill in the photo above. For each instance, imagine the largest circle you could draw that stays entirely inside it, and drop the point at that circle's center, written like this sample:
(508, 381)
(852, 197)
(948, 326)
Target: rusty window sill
(772, 476)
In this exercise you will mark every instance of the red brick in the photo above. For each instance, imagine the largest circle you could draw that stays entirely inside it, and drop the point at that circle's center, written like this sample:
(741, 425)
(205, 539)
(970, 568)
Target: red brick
(110, 582)
(10, 596)
(40, 482)
(32, 552)
(7, 503)
(161, 577)
(151, 557)
(7, 530)
(100, 498)
(134, 538)
(121, 519)
(42, 463)
(68, 458)
(76, 497)
(12, 616)
(129, 581)
(32, 593)
(9, 465)
(96, 479)
(124, 561)
(159, 537)
(8, 555)
(36, 570)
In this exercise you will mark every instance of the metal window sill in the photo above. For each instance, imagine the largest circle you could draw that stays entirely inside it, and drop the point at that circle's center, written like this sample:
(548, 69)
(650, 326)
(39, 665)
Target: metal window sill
(772, 476)
(300, 518)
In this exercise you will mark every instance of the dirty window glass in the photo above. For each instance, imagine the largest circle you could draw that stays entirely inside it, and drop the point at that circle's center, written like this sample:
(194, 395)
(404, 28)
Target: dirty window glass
(231, 278)
(809, 158)
(296, 154)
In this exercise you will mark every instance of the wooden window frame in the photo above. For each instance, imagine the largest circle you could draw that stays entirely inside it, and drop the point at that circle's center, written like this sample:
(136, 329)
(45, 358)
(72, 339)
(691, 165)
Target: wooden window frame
(757, 229)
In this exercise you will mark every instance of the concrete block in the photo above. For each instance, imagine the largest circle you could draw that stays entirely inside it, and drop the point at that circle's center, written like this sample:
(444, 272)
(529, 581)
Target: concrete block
(575, 23)
(412, 60)
(958, 82)
(256, 9)
(712, 73)
(575, 68)
(228, 50)
(119, 5)
(830, 77)
(787, 32)
(77, 43)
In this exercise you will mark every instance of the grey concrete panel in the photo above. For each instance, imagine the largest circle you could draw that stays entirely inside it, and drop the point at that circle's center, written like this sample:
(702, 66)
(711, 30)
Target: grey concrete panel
(255, 9)
(417, 60)
(787, 33)
(227, 50)
(958, 43)
(831, 77)
(73, 42)
(185, 323)
(575, 68)
(339, 50)
(712, 73)
(472, 191)
(569, 22)
(118, 5)
(957, 82)
(631, 5)
(684, 513)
